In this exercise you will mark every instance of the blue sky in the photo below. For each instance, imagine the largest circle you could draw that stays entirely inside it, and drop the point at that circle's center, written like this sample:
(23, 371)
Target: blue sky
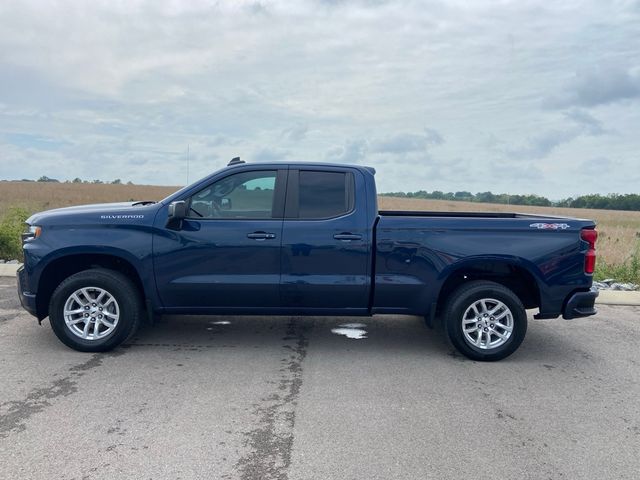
(513, 96)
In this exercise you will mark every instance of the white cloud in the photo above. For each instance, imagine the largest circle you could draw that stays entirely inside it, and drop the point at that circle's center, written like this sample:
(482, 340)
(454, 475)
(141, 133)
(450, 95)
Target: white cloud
(129, 86)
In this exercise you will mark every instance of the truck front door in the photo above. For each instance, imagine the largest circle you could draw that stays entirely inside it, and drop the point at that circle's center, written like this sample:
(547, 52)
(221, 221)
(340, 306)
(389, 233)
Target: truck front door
(227, 253)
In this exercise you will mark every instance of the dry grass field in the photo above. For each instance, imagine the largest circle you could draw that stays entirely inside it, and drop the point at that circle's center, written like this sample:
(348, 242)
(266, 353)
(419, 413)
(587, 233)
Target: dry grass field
(618, 245)
(38, 196)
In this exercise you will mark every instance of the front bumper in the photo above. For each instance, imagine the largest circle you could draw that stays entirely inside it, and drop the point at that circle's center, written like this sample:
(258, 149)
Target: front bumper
(581, 304)
(27, 299)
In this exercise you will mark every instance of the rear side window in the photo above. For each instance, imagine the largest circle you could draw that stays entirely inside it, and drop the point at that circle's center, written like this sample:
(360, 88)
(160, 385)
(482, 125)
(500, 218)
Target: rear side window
(324, 194)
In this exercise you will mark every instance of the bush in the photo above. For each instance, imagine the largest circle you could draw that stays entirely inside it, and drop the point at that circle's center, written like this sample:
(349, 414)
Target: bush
(11, 227)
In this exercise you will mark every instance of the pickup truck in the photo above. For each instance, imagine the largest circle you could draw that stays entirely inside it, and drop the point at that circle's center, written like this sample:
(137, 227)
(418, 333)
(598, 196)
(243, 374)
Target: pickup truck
(302, 239)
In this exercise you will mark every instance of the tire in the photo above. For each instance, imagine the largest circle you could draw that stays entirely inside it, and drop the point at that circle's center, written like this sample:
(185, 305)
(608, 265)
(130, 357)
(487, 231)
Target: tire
(489, 336)
(117, 310)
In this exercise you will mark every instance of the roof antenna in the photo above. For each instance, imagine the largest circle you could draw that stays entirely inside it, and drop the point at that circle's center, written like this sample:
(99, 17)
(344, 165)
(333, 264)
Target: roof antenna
(187, 164)
(235, 161)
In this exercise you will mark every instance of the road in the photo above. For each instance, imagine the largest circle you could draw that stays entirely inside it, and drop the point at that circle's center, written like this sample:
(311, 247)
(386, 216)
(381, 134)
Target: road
(286, 398)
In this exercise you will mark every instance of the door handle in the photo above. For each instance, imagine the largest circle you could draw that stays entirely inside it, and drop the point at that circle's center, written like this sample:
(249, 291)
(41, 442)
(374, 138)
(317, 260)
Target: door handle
(347, 237)
(261, 236)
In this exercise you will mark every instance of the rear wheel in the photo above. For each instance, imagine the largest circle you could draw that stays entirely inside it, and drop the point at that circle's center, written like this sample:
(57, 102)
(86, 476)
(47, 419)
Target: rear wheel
(95, 310)
(485, 320)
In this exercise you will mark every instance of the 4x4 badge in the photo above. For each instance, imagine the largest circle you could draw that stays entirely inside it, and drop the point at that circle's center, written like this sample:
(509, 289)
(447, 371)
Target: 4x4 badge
(550, 226)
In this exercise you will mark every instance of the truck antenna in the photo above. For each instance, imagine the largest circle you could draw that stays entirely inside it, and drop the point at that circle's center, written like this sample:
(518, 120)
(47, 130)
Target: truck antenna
(187, 164)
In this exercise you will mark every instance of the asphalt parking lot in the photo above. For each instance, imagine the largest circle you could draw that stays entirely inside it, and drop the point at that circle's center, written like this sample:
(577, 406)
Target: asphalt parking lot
(287, 398)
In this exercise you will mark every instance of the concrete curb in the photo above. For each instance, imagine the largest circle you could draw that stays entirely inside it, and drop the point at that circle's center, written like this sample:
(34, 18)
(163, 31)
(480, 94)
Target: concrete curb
(617, 297)
(606, 297)
(9, 269)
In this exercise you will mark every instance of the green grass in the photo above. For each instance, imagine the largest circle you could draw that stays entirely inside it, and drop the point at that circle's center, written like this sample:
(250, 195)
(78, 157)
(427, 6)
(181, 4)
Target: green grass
(11, 227)
(628, 272)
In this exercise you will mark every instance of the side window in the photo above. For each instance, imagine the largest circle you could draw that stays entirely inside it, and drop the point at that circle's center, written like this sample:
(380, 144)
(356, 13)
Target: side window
(324, 194)
(242, 195)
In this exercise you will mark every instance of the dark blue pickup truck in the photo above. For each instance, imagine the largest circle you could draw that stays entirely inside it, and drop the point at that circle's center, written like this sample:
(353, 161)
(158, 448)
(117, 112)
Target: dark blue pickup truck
(302, 239)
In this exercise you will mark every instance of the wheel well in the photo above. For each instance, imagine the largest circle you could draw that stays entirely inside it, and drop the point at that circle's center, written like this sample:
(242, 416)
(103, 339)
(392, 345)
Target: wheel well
(515, 278)
(61, 268)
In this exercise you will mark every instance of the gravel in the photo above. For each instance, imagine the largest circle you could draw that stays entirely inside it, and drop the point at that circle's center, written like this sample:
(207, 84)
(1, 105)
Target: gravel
(611, 284)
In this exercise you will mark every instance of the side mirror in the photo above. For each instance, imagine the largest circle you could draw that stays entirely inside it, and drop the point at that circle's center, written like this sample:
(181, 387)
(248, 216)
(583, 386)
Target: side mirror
(177, 213)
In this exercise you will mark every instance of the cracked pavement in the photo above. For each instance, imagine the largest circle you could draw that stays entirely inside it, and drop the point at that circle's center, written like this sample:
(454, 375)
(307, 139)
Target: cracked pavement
(285, 398)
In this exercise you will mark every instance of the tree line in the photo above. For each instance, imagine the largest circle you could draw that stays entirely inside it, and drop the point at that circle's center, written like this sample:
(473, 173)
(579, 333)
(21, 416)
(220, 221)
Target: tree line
(614, 201)
(44, 178)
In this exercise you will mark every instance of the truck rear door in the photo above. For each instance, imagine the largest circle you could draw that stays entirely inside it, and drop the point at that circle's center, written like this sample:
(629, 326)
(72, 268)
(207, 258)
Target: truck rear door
(326, 242)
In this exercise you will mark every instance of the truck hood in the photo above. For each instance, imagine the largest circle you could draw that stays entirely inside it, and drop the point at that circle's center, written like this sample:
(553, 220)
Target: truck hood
(96, 213)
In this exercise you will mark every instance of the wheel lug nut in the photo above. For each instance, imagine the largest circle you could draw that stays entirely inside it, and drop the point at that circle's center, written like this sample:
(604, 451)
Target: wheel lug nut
(100, 309)
(491, 318)
(86, 307)
(486, 329)
(492, 325)
(99, 316)
(86, 314)
(93, 304)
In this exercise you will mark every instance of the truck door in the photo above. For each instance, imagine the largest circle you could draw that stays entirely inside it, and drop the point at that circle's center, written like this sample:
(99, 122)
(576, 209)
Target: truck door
(227, 253)
(325, 240)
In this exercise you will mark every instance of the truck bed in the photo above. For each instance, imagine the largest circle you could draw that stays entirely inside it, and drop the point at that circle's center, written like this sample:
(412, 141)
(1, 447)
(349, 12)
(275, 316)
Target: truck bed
(440, 214)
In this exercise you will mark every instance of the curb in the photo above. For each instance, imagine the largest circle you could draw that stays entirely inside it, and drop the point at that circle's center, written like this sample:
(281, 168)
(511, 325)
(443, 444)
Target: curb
(606, 297)
(618, 297)
(9, 269)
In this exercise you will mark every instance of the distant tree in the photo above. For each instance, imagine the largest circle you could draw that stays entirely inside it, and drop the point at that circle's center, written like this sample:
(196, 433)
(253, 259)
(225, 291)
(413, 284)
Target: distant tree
(463, 195)
(485, 197)
(77, 180)
(614, 201)
(97, 181)
(44, 178)
(129, 182)
(117, 181)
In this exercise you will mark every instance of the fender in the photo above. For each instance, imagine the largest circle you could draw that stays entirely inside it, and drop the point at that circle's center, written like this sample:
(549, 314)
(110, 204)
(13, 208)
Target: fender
(489, 260)
(142, 266)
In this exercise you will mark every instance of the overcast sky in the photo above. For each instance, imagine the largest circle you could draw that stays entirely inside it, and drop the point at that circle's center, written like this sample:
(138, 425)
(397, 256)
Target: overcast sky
(514, 96)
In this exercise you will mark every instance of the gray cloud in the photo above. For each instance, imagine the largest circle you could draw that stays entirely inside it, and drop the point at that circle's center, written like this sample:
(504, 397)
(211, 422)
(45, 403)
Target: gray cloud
(407, 142)
(353, 151)
(598, 86)
(591, 125)
(269, 155)
(296, 133)
(595, 166)
(542, 144)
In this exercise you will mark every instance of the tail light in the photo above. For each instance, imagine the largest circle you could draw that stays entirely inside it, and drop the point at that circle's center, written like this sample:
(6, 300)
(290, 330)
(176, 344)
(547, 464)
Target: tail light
(590, 236)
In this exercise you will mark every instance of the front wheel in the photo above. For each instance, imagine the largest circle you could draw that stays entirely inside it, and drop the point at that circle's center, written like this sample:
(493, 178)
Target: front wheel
(95, 310)
(485, 320)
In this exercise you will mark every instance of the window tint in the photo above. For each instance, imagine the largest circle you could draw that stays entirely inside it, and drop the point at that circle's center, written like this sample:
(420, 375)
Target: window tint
(324, 194)
(243, 195)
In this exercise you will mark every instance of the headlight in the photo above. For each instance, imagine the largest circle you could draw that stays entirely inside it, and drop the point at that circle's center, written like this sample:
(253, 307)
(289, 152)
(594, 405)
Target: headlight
(32, 232)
